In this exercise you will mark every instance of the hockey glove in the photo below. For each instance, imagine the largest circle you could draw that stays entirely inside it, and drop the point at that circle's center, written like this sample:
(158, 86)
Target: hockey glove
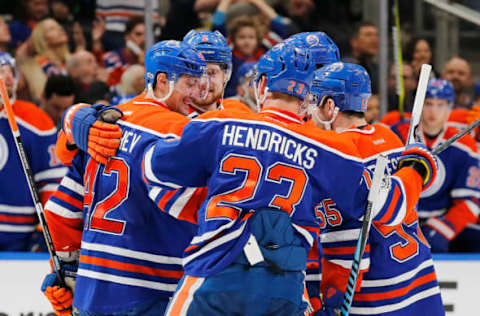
(438, 231)
(60, 297)
(419, 157)
(83, 127)
(332, 302)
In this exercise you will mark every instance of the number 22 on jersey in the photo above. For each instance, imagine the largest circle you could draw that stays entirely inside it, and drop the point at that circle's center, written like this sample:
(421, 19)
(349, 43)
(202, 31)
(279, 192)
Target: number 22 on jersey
(98, 219)
(221, 206)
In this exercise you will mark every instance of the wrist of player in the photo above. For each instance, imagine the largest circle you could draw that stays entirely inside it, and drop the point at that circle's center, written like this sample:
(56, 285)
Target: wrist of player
(419, 158)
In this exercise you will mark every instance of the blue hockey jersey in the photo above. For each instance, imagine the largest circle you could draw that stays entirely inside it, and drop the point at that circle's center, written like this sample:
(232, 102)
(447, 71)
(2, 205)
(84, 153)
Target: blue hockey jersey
(18, 218)
(251, 161)
(130, 251)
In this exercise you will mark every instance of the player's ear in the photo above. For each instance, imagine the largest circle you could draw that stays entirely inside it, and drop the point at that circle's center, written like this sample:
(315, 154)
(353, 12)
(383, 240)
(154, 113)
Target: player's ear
(330, 107)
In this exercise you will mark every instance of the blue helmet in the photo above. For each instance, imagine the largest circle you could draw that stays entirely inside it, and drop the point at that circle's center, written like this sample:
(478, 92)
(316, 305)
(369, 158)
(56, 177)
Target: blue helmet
(323, 49)
(288, 69)
(440, 89)
(347, 84)
(212, 45)
(173, 58)
(7, 59)
(247, 69)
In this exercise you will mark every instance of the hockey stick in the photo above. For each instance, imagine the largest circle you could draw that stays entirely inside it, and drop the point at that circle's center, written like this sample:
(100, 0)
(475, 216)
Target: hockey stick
(380, 166)
(418, 103)
(27, 170)
(397, 54)
(376, 183)
(455, 137)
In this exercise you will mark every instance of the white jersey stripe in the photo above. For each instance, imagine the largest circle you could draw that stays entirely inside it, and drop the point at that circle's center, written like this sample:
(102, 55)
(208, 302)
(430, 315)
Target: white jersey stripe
(399, 278)
(17, 228)
(131, 253)
(462, 193)
(4, 208)
(305, 233)
(49, 187)
(217, 242)
(393, 307)
(443, 228)
(72, 185)
(149, 172)
(344, 235)
(126, 280)
(62, 211)
(313, 277)
(181, 201)
(403, 208)
(432, 213)
(208, 235)
(347, 264)
(154, 192)
(54, 173)
(473, 207)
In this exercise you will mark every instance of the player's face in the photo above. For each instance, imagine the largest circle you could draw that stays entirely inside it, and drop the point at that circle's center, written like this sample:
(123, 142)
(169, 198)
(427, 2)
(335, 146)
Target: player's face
(186, 89)
(216, 77)
(435, 114)
(7, 75)
(246, 40)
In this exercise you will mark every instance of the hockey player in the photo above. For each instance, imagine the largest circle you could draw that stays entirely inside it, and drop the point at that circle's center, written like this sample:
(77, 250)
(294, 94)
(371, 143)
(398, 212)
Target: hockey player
(17, 213)
(130, 252)
(398, 272)
(451, 204)
(214, 48)
(265, 172)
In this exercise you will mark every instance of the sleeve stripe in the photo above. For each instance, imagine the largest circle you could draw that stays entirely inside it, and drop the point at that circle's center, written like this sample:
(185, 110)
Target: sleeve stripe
(343, 250)
(462, 193)
(473, 207)
(441, 227)
(181, 201)
(154, 192)
(347, 264)
(346, 235)
(69, 199)
(49, 187)
(72, 185)
(61, 211)
(149, 173)
(51, 174)
(17, 209)
(305, 233)
(402, 211)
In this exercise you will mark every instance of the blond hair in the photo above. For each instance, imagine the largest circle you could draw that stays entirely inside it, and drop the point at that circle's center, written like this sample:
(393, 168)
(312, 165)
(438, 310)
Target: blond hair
(57, 55)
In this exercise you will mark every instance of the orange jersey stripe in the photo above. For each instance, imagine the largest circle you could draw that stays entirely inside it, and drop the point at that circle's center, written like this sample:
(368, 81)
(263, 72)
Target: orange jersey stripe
(164, 200)
(398, 292)
(17, 219)
(69, 199)
(130, 267)
(182, 296)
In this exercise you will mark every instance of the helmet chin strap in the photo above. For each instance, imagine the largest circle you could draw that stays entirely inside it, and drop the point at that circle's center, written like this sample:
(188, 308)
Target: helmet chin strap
(151, 95)
(257, 97)
(312, 110)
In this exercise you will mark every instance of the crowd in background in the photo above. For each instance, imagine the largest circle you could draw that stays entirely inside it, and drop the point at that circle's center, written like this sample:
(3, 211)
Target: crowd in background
(93, 51)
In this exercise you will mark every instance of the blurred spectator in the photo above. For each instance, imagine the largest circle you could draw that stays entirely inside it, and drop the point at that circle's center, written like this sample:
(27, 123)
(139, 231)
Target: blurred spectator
(18, 219)
(245, 93)
(417, 52)
(28, 14)
(131, 84)
(133, 53)
(50, 44)
(476, 98)
(246, 34)
(301, 12)
(85, 72)
(57, 97)
(457, 70)
(117, 14)
(4, 35)
(409, 83)
(364, 44)
(176, 28)
(372, 114)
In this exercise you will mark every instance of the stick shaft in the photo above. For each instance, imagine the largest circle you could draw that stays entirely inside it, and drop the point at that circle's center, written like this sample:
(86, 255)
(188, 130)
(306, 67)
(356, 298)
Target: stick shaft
(418, 103)
(27, 170)
(456, 137)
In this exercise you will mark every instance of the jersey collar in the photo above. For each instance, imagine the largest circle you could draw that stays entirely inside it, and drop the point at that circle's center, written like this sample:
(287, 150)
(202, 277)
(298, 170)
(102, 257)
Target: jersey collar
(281, 115)
(366, 129)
